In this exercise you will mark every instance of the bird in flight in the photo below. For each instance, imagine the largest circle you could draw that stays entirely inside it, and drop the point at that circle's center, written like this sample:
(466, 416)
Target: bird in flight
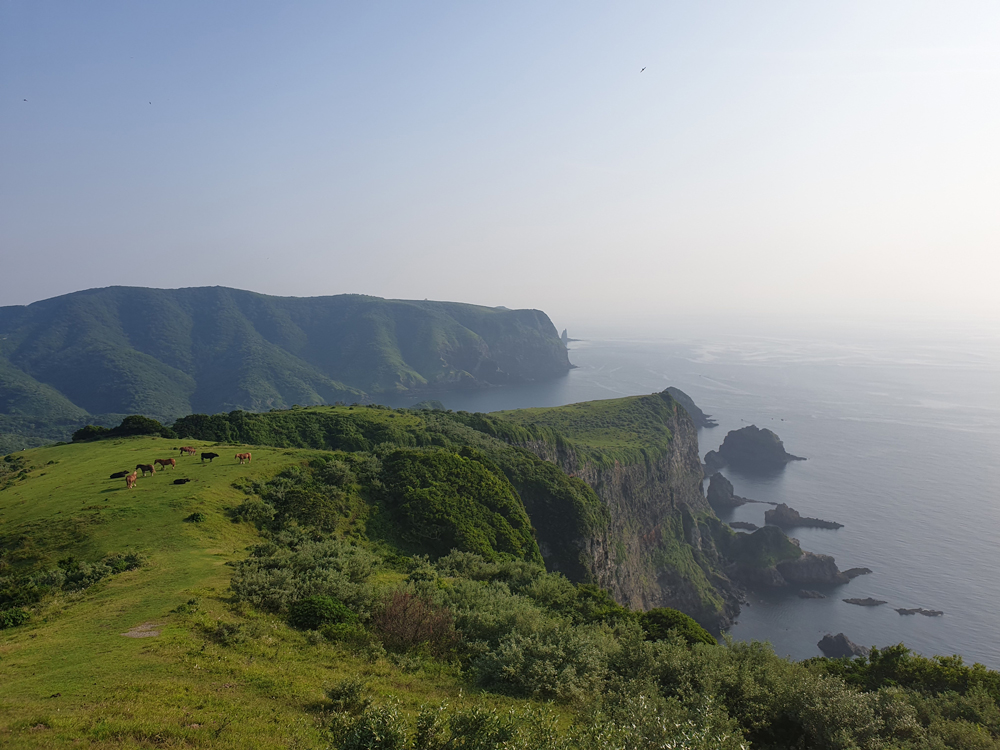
(641, 70)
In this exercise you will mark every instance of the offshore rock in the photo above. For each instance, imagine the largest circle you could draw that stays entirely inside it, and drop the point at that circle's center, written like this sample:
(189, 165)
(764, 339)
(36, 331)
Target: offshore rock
(789, 518)
(751, 449)
(921, 611)
(840, 647)
(866, 602)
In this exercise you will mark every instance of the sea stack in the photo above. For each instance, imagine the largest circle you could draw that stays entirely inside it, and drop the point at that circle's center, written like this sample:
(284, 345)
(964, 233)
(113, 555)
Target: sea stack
(751, 449)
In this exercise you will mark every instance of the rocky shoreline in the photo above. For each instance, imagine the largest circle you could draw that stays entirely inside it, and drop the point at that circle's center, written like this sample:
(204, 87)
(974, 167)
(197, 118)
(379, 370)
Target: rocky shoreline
(789, 518)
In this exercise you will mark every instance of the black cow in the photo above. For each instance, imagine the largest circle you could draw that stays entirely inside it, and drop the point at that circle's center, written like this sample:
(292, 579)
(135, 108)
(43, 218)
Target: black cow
(181, 481)
(209, 456)
(120, 474)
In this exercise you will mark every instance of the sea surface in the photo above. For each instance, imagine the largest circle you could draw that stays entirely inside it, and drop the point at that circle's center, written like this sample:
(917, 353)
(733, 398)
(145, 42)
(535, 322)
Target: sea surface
(902, 437)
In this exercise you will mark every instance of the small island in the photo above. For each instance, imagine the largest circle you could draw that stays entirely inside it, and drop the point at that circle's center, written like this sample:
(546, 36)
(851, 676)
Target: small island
(750, 449)
(789, 518)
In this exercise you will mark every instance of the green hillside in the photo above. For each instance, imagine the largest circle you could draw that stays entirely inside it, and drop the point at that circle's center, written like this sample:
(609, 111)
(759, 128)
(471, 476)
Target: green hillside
(104, 353)
(386, 595)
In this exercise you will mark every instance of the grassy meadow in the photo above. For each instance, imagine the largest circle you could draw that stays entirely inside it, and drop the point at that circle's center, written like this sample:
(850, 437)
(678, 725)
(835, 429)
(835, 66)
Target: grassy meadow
(71, 675)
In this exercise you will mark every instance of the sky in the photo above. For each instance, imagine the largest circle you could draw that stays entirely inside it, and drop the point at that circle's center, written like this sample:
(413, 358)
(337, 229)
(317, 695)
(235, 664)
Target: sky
(599, 161)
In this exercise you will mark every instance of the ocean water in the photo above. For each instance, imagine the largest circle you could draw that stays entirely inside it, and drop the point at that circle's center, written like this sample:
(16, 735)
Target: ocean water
(902, 437)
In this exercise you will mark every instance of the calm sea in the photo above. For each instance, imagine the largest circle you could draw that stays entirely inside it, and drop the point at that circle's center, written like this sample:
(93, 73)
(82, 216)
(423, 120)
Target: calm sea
(902, 438)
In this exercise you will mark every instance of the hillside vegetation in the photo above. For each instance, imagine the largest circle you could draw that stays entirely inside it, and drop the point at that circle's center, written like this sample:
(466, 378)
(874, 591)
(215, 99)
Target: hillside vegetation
(372, 580)
(101, 354)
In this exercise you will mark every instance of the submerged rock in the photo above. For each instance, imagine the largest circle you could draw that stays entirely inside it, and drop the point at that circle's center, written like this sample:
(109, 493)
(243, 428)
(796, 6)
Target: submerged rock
(789, 518)
(840, 647)
(920, 611)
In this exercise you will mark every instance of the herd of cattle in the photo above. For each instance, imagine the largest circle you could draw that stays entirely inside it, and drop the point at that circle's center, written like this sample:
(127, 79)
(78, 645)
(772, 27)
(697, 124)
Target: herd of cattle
(163, 463)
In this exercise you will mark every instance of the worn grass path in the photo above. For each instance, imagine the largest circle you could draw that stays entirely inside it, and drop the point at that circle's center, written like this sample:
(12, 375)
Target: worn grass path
(70, 678)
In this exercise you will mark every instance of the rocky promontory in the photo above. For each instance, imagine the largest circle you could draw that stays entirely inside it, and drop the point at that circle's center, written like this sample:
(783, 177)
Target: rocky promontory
(768, 558)
(744, 525)
(750, 449)
(700, 418)
(789, 518)
(720, 494)
(841, 647)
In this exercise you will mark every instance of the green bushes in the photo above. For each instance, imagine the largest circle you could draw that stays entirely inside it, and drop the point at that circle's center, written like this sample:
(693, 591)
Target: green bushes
(294, 566)
(313, 612)
(11, 618)
(659, 621)
(130, 426)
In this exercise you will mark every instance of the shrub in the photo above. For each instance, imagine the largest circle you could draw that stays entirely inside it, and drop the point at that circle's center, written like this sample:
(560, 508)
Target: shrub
(558, 662)
(406, 621)
(294, 567)
(255, 511)
(660, 621)
(90, 432)
(196, 517)
(11, 618)
(315, 611)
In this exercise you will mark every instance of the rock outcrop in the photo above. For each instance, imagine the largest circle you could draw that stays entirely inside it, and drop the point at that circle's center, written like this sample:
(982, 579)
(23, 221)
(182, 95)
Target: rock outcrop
(866, 602)
(744, 525)
(921, 611)
(841, 647)
(855, 572)
(810, 594)
(720, 494)
(751, 449)
(789, 518)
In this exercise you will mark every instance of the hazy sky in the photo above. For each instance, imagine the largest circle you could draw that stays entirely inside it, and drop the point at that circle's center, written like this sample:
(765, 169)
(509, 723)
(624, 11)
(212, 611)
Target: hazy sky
(801, 158)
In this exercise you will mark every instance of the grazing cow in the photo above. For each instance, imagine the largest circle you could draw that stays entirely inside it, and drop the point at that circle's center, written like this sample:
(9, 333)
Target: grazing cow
(165, 462)
(144, 468)
(243, 457)
(209, 456)
(186, 450)
(181, 481)
(130, 480)
(119, 474)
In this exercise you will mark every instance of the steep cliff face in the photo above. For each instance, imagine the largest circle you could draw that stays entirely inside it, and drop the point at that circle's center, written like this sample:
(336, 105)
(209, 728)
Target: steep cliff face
(660, 545)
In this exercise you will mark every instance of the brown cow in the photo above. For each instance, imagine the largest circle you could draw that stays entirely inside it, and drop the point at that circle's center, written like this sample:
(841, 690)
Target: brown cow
(242, 457)
(187, 450)
(165, 462)
(144, 468)
(130, 480)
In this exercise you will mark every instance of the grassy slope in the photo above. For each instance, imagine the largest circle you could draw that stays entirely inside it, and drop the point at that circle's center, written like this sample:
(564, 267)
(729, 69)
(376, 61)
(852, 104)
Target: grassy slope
(115, 691)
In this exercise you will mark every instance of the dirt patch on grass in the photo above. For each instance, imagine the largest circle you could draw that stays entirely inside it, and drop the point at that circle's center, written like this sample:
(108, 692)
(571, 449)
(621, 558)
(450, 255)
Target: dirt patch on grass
(146, 630)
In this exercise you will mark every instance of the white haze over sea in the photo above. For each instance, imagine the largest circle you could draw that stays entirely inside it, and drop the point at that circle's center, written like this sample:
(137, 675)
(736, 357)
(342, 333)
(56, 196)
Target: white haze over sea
(902, 436)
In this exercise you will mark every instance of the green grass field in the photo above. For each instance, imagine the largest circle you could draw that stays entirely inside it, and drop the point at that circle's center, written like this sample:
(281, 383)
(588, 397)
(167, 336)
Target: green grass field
(71, 676)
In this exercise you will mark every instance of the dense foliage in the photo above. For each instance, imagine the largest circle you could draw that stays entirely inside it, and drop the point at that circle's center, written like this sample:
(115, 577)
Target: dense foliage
(131, 426)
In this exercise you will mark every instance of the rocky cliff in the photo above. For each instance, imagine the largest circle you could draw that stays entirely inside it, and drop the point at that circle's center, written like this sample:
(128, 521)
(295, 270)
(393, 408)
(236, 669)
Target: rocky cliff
(661, 544)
